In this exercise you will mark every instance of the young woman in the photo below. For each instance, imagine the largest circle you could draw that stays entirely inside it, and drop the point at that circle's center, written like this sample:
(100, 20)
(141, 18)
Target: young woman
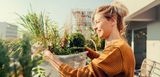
(117, 59)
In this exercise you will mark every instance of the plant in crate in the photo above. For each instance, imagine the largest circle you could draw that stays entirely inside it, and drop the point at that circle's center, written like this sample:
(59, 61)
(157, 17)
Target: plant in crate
(43, 31)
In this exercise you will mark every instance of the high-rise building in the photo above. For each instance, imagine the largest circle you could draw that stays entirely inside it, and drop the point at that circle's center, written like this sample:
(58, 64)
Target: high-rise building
(8, 31)
(81, 20)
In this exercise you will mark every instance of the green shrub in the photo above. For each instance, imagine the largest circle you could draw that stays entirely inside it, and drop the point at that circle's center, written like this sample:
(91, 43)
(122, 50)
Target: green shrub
(76, 42)
(4, 60)
(70, 44)
(16, 59)
(25, 58)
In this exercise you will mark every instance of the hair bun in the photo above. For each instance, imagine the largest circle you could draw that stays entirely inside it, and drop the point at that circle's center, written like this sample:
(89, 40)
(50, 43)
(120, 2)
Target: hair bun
(120, 8)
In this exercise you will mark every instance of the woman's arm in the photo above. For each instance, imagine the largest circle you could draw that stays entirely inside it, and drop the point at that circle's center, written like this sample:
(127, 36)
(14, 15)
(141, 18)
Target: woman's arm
(64, 69)
(107, 64)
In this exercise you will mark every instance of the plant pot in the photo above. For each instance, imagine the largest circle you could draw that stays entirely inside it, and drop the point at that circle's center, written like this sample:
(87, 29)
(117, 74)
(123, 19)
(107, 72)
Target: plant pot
(74, 60)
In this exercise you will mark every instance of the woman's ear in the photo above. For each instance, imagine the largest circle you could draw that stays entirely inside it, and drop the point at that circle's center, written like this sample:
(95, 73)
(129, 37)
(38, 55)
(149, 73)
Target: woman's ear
(113, 21)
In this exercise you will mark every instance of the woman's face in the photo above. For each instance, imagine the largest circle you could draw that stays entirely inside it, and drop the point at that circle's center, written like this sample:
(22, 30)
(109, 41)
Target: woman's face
(102, 26)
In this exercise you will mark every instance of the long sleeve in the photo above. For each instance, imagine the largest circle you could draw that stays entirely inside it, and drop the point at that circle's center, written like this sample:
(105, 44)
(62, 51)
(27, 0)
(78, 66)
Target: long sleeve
(67, 71)
(107, 64)
(117, 60)
(110, 62)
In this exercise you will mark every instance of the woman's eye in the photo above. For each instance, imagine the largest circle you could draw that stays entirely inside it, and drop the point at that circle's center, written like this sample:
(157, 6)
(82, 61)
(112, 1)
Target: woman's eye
(97, 22)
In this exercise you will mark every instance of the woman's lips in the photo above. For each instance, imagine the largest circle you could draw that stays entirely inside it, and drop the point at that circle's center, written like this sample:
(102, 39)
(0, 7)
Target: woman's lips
(98, 31)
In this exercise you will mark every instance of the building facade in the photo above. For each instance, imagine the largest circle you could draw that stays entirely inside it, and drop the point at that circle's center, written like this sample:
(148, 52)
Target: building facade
(8, 31)
(144, 29)
(81, 19)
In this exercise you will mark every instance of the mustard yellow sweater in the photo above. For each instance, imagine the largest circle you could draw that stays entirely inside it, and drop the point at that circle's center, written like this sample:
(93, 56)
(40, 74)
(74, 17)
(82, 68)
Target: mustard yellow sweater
(117, 60)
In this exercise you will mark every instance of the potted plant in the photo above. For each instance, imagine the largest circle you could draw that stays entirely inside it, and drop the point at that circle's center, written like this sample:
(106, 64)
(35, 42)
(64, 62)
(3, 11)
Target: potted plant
(75, 48)
(46, 35)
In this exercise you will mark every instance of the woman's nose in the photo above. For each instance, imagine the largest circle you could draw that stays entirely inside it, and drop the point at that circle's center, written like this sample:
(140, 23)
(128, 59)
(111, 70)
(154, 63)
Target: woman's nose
(94, 27)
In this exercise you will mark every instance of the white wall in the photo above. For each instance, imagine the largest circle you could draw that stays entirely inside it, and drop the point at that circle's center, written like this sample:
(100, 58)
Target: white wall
(135, 5)
(2, 30)
(8, 31)
(149, 15)
(153, 41)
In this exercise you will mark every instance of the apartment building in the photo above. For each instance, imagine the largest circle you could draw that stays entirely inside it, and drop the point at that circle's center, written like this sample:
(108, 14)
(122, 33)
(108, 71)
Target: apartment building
(8, 31)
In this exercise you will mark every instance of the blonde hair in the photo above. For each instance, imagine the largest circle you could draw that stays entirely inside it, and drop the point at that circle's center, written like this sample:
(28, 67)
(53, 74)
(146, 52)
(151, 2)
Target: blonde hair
(117, 10)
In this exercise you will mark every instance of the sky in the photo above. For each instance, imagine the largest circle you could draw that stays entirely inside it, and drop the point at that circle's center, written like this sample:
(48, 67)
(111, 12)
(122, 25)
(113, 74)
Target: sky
(57, 10)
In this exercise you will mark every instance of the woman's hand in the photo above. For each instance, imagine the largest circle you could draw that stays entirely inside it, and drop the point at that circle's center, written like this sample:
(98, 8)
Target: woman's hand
(91, 53)
(52, 59)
